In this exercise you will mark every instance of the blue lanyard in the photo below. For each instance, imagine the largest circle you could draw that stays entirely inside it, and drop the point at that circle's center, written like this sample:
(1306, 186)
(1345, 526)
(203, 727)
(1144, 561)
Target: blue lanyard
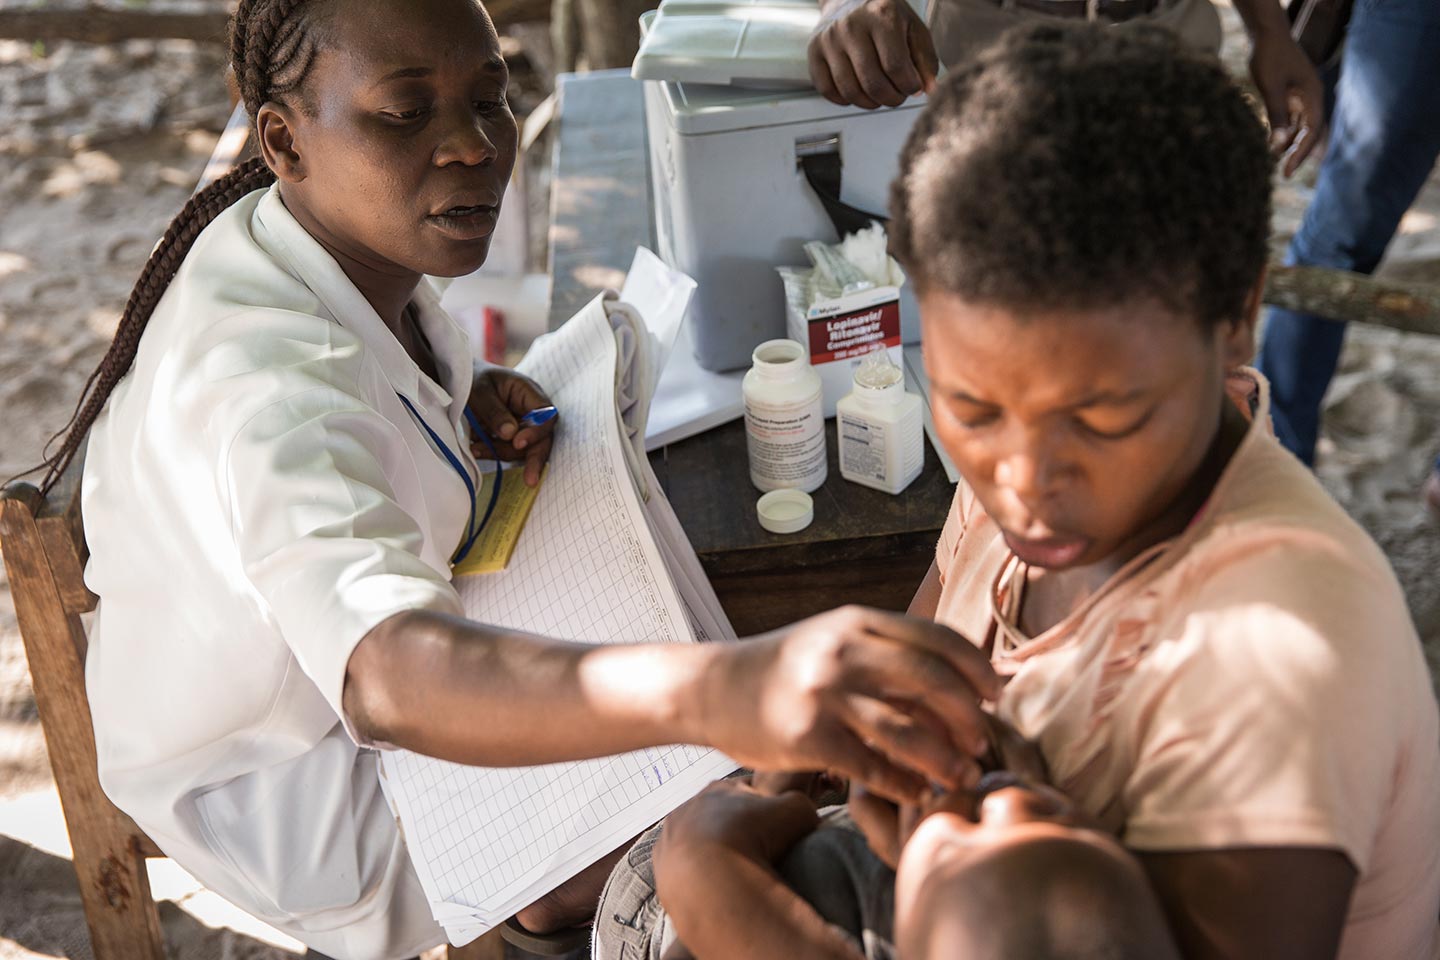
(472, 531)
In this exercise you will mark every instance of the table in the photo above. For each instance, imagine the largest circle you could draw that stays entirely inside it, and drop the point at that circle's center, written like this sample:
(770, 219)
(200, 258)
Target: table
(864, 546)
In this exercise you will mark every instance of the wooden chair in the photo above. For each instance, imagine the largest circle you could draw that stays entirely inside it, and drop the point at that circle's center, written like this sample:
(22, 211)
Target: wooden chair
(43, 542)
(44, 548)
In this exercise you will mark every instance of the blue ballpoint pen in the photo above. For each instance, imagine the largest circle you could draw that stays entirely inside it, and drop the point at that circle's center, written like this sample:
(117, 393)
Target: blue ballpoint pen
(538, 417)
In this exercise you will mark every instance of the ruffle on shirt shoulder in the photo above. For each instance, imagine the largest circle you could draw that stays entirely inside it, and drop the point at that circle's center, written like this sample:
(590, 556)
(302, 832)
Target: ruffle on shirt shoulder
(1164, 597)
(963, 508)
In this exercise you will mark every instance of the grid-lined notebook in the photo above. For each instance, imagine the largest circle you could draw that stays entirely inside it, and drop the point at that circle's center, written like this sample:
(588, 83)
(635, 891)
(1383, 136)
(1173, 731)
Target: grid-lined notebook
(602, 559)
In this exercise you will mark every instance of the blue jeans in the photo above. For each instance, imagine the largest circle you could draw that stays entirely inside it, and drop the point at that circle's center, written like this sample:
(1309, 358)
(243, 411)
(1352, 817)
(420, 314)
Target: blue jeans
(1384, 138)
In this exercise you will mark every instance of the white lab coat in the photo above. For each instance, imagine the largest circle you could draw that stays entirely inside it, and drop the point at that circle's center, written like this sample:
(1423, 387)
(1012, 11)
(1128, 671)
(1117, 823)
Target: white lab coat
(256, 498)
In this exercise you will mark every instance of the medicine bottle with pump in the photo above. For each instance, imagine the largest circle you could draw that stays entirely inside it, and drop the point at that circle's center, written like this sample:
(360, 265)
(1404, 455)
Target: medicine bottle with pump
(880, 427)
(784, 421)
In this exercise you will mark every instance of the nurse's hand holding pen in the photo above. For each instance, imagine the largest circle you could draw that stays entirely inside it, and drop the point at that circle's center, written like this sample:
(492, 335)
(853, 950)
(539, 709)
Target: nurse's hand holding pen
(508, 405)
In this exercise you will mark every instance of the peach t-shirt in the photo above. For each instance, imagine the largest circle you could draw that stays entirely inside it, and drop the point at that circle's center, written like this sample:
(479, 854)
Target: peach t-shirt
(1255, 681)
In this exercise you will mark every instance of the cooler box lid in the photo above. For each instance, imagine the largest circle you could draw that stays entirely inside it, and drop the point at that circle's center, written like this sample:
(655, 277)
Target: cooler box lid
(694, 108)
(742, 43)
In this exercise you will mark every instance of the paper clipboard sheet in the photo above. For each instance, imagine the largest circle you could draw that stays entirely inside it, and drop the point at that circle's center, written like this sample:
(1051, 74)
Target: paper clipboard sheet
(589, 566)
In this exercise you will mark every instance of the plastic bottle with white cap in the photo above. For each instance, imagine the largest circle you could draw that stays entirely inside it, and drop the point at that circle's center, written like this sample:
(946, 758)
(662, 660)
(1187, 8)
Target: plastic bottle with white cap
(880, 427)
(784, 421)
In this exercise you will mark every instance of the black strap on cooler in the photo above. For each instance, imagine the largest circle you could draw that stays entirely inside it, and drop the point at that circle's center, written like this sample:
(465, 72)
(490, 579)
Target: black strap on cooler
(822, 171)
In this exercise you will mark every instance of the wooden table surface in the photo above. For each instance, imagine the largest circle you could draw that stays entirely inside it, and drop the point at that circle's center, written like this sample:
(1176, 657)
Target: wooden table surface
(864, 546)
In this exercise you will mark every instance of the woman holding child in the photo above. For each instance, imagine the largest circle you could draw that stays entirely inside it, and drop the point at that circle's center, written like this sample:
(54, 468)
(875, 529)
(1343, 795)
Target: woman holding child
(1215, 662)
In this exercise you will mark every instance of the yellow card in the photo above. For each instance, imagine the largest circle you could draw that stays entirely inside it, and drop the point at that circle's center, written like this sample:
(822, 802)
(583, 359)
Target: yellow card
(496, 543)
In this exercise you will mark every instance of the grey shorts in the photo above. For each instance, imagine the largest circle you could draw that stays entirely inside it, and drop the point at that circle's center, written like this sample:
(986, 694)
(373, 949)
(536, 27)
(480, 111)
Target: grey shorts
(832, 868)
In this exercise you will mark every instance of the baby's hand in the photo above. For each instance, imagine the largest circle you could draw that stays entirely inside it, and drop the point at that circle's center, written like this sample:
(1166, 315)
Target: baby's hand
(1012, 761)
(822, 788)
(1012, 752)
(499, 398)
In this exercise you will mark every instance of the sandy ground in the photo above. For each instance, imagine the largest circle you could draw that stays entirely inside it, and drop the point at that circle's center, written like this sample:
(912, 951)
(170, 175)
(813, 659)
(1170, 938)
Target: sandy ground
(99, 147)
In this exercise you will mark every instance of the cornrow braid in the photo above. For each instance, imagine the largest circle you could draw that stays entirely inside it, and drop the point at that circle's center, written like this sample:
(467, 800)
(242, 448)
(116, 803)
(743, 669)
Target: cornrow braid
(271, 51)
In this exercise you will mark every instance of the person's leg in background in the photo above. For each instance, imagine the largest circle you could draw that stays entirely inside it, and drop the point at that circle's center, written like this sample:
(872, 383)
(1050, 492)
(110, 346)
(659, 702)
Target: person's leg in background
(1384, 139)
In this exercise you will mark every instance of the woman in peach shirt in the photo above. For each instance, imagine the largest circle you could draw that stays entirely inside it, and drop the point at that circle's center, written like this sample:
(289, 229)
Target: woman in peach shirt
(1216, 663)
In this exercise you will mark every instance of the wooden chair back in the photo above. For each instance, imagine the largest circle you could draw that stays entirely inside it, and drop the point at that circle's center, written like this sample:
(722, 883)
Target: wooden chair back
(43, 543)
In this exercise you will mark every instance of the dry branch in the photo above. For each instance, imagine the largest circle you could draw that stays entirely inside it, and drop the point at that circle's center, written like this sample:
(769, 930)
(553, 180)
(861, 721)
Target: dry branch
(104, 25)
(1339, 295)
(109, 25)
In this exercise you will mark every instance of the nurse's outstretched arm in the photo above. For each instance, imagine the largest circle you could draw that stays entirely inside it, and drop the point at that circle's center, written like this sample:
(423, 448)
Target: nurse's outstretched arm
(886, 699)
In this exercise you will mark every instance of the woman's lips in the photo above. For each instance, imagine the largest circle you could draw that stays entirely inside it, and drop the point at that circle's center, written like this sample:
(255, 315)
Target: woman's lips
(1050, 553)
(465, 223)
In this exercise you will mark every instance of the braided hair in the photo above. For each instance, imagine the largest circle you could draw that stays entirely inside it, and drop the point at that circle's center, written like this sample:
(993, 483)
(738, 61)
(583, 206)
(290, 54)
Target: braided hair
(273, 44)
(1084, 166)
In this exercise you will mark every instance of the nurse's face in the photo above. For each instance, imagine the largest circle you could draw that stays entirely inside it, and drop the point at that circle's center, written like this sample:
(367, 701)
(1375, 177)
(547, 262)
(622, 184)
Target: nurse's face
(402, 142)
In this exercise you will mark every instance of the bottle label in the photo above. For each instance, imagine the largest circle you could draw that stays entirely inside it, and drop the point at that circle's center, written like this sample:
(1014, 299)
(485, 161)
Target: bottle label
(862, 448)
(786, 443)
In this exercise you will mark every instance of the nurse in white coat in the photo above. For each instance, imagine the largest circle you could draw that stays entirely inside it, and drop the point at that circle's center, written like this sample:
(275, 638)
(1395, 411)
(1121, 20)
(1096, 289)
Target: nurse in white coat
(279, 476)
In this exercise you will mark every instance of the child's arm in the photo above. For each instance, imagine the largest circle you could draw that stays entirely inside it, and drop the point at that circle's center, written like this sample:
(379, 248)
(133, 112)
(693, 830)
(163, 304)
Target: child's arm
(1257, 904)
(715, 876)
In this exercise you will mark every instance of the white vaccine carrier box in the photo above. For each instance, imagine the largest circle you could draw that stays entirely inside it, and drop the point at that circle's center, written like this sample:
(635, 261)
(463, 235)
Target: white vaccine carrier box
(732, 202)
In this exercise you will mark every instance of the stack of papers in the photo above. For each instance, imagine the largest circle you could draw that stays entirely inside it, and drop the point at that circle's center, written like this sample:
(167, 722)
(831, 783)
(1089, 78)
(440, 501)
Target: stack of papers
(601, 559)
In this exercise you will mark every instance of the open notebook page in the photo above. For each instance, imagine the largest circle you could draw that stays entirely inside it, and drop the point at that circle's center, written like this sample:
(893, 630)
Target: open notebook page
(487, 842)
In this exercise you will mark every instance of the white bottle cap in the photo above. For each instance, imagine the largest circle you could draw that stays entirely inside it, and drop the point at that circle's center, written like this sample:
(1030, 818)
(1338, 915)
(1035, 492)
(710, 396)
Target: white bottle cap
(785, 511)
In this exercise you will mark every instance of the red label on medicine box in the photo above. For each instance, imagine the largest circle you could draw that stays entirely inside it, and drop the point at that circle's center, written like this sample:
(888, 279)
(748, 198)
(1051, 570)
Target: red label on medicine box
(857, 332)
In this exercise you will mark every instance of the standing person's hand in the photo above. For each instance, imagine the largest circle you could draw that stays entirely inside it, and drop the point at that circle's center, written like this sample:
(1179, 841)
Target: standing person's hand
(499, 398)
(871, 53)
(1293, 95)
(884, 699)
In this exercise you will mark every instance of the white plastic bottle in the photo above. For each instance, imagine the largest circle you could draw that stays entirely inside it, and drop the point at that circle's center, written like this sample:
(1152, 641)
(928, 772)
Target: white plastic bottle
(784, 422)
(880, 427)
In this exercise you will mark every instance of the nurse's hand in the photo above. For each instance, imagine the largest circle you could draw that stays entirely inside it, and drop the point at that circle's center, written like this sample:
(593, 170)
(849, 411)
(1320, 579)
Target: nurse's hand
(871, 53)
(499, 398)
(884, 699)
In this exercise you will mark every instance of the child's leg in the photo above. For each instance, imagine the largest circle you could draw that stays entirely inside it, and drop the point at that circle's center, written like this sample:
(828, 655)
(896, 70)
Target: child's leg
(851, 888)
(574, 901)
(831, 868)
(630, 924)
